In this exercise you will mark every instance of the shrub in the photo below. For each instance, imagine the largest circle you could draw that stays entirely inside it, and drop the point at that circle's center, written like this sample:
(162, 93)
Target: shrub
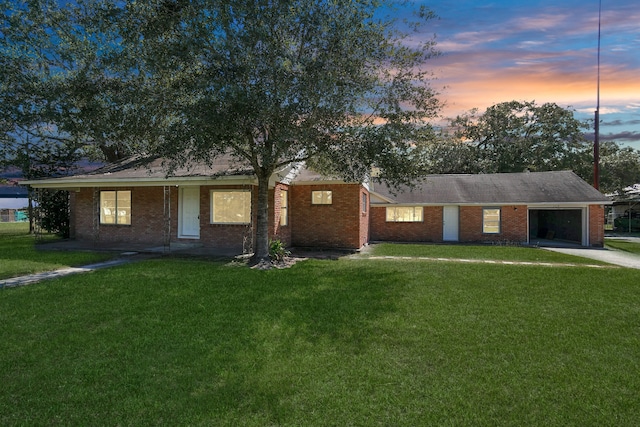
(277, 250)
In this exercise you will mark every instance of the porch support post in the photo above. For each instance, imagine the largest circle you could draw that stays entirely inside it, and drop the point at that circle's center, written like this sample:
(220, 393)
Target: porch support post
(96, 215)
(166, 225)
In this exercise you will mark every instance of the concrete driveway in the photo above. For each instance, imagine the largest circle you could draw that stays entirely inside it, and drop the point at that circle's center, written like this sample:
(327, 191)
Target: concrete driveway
(612, 256)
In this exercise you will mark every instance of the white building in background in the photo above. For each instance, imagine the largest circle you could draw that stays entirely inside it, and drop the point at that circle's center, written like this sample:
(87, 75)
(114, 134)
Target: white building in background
(13, 198)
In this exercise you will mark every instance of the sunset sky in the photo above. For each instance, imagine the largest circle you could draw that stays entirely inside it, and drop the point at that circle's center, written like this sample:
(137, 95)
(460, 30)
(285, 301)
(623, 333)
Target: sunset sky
(542, 50)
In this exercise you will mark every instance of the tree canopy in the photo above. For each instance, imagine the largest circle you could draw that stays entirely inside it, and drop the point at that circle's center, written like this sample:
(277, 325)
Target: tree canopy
(515, 136)
(619, 167)
(335, 82)
(40, 50)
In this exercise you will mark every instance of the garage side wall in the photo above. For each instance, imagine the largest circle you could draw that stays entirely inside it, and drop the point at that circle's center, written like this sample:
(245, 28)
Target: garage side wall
(428, 230)
(596, 225)
(513, 225)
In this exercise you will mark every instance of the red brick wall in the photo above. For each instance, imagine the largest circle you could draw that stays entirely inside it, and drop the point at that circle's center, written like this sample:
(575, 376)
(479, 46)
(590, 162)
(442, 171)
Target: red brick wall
(342, 224)
(82, 215)
(332, 226)
(226, 236)
(277, 231)
(147, 219)
(513, 226)
(596, 225)
(146, 227)
(430, 230)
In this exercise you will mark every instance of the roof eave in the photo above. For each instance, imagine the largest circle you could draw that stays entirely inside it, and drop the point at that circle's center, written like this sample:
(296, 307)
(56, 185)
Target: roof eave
(324, 182)
(71, 183)
(511, 203)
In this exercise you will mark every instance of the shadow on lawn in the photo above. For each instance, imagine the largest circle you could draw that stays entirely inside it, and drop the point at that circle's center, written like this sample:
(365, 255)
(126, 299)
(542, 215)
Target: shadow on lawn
(162, 339)
(295, 324)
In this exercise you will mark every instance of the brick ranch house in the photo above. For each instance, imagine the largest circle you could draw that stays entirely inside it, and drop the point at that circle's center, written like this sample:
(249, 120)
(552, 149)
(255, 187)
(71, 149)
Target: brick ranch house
(213, 207)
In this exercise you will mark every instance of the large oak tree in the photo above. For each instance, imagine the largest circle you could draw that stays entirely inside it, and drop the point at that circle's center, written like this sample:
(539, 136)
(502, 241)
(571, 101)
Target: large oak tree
(338, 83)
(515, 136)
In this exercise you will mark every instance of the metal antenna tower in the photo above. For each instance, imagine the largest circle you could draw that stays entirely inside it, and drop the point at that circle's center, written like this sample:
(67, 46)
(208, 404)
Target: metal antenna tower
(596, 140)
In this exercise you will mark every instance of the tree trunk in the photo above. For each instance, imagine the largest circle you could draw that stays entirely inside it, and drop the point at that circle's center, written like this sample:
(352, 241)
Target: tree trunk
(112, 153)
(261, 252)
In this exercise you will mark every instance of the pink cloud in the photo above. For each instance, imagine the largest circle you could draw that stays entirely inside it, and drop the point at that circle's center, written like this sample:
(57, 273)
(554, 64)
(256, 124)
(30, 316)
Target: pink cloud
(481, 88)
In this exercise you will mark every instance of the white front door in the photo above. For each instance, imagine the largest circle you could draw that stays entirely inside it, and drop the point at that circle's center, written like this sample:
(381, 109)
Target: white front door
(450, 223)
(189, 213)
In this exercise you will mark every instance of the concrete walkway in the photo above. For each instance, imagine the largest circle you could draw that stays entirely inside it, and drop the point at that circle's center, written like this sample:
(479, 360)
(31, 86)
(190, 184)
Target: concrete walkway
(611, 256)
(37, 277)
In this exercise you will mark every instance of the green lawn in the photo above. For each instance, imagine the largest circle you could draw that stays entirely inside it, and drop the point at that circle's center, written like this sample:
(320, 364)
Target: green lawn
(347, 342)
(502, 253)
(19, 254)
(624, 245)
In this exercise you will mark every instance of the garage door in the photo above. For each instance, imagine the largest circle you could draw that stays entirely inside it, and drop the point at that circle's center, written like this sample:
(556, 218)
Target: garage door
(556, 226)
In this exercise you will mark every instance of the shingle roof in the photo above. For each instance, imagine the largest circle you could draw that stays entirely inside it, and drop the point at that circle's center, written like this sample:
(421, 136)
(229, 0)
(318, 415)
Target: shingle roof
(153, 171)
(306, 176)
(507, 188)
(155, 168)
(502, 188)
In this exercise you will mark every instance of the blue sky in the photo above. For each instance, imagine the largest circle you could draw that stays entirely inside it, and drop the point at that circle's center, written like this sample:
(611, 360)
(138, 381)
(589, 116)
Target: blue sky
(495, 51)
(544, 50)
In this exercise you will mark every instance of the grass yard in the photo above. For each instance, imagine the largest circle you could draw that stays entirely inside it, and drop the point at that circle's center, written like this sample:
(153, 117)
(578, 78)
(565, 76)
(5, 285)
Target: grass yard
(347, 342)
(19, 255)
(502, 253)
(624, 245)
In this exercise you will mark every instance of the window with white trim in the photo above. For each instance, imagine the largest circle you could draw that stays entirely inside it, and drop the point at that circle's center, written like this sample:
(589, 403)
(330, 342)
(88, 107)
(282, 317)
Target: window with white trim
(491, 220)
(230, 207)
(284, 208)
(404, 214)
(115, 207)
(322, 197)
(364, 202)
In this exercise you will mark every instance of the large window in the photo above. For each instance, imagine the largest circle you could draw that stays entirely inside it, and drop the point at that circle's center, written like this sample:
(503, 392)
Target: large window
(230, 207)
(284, 207)
(115, 207)
(491, 220)
(321, 197)
(404, 214)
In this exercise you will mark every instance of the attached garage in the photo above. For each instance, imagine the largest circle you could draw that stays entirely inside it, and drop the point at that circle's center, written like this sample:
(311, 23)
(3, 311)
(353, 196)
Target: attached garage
(537, 208)
(560, 226)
